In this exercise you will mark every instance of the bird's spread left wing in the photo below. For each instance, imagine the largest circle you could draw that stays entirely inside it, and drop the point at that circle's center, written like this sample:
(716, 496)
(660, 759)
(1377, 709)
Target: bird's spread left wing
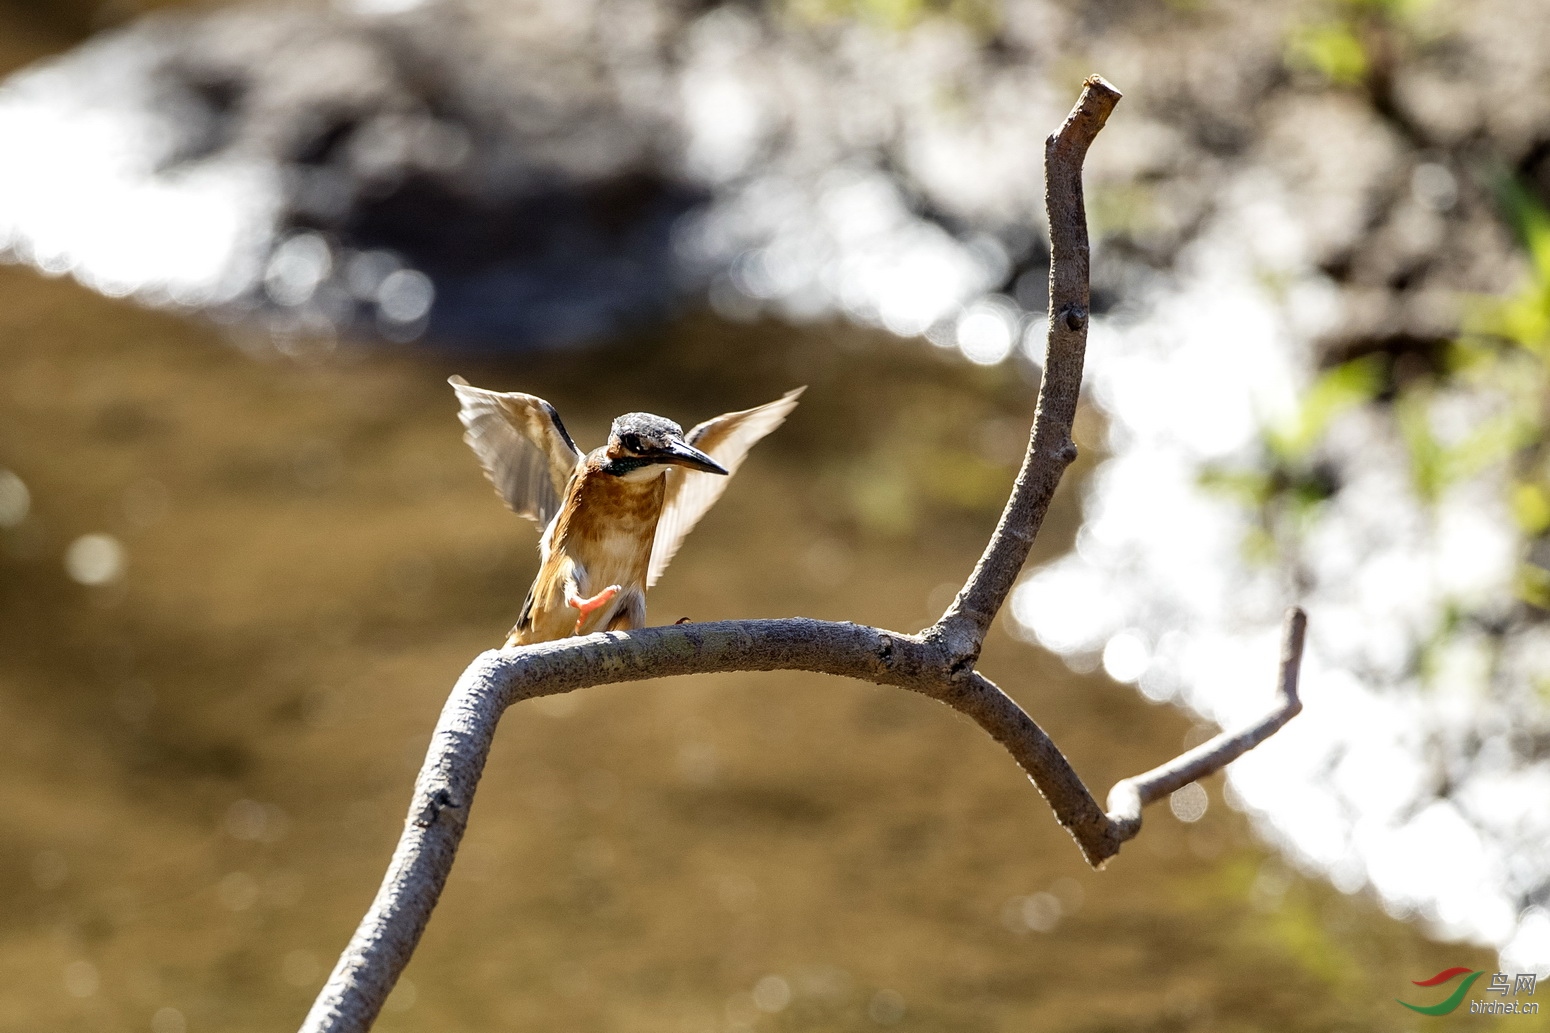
(690, 493)
(522, 445)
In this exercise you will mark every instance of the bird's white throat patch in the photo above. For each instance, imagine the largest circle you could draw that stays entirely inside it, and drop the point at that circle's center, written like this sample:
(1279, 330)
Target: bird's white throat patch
(649, 472)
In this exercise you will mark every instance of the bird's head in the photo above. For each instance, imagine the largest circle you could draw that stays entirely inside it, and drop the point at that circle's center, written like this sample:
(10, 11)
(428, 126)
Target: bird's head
(649, 444)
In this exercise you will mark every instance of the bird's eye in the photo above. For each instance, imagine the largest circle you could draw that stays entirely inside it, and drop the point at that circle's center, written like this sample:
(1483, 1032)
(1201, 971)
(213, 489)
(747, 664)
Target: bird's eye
(631, 442)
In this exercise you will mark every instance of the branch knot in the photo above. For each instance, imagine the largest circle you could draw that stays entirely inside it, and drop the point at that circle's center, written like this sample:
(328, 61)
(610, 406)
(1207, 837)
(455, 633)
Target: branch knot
(962, 666)
(885, 650)
(440, 802)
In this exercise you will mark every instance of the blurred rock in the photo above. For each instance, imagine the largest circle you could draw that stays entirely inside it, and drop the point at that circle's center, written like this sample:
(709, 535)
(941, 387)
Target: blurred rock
(561, 170)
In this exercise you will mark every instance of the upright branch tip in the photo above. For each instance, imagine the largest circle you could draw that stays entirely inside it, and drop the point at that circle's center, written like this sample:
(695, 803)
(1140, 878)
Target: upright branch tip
(962, 628)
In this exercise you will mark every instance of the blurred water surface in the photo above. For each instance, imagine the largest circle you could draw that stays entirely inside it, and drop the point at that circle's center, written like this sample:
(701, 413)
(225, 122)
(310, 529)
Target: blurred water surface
(212, 748)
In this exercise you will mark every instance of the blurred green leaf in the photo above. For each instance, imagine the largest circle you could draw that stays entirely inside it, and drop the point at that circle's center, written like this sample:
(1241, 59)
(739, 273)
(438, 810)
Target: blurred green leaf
(1521, 318)
(899, 15)
(1332, 49)
(1531, 223)
(1435, 465)
(1393, 11)
(1337, 47)
(1427, 459)
(1533, 585)
(1524, 319)
(1531, 507)
(1473, 354)
(1260, 547)
(1251, 487)
(1493, 442)
(1336, 390)
(1307, 493)
(1429, 654)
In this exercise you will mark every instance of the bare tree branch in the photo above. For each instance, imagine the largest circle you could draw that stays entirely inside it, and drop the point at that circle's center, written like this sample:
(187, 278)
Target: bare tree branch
(937, 663)
(1128, 796)
(962, 628)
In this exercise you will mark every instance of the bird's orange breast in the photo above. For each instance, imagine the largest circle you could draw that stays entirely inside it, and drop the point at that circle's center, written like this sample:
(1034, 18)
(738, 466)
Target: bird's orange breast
(604, 505)
(608, 525)
(602, 536)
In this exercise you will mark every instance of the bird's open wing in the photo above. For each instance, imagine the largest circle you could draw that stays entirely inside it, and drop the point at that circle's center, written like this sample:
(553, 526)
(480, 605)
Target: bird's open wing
(690, 493)
(522, 445)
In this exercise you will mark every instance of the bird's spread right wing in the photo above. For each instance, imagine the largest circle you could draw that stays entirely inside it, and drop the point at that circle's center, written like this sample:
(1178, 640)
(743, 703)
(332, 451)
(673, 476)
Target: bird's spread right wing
(522, 445)
(690, 493)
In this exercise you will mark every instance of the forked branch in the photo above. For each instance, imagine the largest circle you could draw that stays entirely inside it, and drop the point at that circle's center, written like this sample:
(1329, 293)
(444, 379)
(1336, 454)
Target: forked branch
(938, 662)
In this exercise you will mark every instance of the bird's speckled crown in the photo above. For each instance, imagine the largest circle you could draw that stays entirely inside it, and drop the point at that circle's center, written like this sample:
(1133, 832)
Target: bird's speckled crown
(648, 426)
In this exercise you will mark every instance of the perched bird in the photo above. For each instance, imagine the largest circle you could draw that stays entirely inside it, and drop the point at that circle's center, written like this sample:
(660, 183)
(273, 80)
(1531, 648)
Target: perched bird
(613, 517)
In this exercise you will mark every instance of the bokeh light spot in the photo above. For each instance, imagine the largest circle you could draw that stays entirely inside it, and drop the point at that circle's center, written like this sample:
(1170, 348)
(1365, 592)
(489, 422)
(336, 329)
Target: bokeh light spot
(81, 979)
(238, 891)
(406, 296)
(987, 331)
(95, 559)
(168, 1020)
(1126, 657)
(886, 1008)
(15, 499)
(771, 994)
(1189, 803)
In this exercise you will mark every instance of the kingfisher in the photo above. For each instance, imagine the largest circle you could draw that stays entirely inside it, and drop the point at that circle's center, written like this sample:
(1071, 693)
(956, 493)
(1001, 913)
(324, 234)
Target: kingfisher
(612, 518)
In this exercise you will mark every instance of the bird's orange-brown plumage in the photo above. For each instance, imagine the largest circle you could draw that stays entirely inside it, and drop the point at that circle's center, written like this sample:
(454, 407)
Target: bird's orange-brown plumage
(613, 518)
(609, 521)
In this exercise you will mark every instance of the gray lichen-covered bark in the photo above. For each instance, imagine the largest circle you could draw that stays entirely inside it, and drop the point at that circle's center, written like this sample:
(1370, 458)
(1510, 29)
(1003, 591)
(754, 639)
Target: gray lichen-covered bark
(938, 662)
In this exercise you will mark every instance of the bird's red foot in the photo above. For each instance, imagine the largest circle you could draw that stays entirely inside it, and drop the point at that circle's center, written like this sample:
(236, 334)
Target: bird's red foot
(587, 607)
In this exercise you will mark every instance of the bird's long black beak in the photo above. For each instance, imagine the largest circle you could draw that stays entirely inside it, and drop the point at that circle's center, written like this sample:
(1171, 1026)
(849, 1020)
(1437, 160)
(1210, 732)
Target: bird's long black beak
(681, 453)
